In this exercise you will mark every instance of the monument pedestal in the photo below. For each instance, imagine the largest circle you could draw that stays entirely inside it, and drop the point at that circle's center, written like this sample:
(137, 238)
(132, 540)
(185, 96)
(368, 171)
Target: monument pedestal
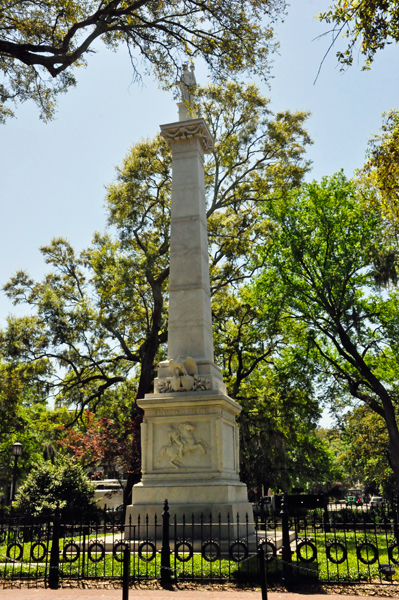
(191, 458)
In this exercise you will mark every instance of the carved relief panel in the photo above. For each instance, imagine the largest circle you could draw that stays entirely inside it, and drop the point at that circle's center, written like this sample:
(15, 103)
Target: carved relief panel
(181, 445)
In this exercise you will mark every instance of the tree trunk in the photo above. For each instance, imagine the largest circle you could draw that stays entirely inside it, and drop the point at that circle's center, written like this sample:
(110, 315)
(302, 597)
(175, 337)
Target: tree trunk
(393, 433)
(380, 390)
(150, 347)
(148, 353)
(135, 475)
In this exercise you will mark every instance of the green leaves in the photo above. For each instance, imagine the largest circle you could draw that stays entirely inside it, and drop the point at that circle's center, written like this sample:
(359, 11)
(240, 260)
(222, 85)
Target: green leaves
(381, 171)
(25, 417)
(38, 39)
(329, 245)
(374, 24)
(64, 483)
(323, 241)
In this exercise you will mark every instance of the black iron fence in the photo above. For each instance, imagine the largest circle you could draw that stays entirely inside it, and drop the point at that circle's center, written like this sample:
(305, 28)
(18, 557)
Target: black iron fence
(333, 543)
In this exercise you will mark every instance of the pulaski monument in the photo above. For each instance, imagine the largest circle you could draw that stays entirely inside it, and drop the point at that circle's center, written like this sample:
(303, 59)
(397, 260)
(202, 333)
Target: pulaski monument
(189, 436)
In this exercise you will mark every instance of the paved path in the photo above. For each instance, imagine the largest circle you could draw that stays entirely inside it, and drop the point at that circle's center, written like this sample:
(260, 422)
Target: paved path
(140, 594)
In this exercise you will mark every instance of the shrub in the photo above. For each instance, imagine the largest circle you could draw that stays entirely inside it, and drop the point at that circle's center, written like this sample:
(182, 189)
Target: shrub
(63, 482)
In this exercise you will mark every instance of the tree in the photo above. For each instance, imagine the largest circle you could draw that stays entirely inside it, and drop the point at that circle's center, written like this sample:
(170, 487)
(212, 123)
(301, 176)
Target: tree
(110, 442)
(53, 37)
(101, 316)
(279, 445)
(366, 450)
(25, 418)
(280, 448)
(381, 171)
(326, 270)
(340, 476)
(64, 483)
(374, 23)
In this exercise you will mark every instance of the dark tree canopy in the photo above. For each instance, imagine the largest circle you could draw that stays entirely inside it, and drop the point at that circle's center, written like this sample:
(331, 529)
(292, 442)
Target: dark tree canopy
(365, 450)
(25, 418)
(42, 38)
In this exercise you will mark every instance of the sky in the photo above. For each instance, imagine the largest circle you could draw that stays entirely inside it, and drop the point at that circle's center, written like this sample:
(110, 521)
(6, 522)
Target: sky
(52, 176)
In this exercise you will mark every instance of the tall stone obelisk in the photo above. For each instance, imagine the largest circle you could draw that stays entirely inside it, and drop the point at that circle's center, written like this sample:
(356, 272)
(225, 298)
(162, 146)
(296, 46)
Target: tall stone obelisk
(190, 446)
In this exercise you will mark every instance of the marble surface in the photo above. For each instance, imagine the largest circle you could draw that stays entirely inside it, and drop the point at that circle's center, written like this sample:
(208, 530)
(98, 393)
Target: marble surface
(189, 437)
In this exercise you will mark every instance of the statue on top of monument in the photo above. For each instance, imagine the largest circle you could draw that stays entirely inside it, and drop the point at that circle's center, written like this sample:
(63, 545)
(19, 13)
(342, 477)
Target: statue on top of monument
(187, 82)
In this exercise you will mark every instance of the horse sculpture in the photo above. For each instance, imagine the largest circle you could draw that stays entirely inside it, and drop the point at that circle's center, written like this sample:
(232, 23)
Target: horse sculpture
(181, 442)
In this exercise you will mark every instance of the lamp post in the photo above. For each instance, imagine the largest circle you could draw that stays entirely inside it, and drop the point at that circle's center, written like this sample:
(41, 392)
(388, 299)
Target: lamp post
(16, 451)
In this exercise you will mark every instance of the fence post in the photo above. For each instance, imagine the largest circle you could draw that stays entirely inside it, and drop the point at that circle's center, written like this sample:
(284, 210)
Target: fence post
(165, 550)
(54, 576)
(286, 548)
(85, 531)
(326, 519)
(126, 572)
(262, 569)
(395, 504)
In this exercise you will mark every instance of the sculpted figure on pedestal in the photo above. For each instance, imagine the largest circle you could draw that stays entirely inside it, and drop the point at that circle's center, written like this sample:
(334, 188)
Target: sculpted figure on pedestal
(187, 81)
(184, 377)
(183, 373)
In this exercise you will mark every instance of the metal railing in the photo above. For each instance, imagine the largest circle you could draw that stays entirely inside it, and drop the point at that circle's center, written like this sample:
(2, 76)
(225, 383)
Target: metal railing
(333, 543)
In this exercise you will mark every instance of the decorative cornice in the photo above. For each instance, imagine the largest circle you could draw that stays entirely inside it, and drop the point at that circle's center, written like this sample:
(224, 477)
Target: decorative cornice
(186, 130)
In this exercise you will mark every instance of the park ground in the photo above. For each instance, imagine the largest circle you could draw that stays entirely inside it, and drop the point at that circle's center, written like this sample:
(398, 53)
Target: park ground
(191, 592)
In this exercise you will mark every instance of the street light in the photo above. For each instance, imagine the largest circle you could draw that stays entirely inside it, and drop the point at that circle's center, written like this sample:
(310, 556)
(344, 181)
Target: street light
(16, 451)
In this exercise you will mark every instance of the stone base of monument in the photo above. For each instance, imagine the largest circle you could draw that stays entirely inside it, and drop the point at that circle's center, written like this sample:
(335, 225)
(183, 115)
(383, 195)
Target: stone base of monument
(202, 510)
(190, 456)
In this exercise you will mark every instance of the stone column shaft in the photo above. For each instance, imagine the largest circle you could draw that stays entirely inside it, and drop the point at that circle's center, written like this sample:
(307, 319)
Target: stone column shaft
(190, 318)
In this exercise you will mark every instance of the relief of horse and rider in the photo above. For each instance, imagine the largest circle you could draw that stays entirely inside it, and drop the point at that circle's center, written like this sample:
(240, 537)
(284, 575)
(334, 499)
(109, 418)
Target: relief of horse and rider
(181, 442)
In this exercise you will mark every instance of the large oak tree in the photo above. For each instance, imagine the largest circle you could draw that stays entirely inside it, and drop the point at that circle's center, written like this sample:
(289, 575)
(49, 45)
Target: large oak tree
(42, 42)
(333, 254)
(101, 315)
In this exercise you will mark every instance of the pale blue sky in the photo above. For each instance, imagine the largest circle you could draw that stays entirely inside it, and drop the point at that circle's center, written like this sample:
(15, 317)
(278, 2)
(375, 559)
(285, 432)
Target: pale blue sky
(52, 176)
